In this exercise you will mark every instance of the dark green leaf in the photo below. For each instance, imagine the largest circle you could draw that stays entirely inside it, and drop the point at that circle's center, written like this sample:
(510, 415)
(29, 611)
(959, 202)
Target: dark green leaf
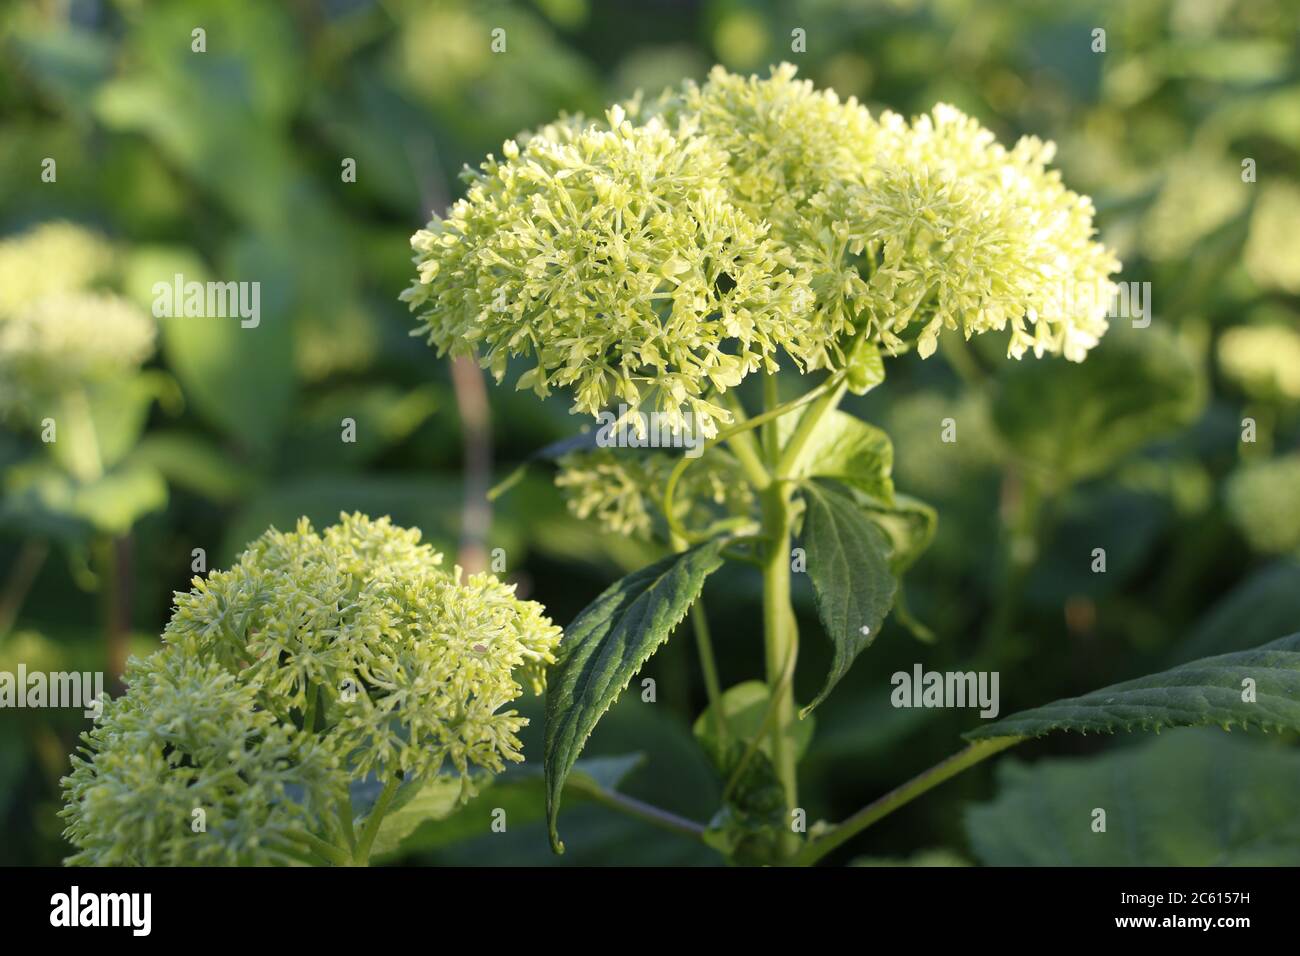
(848, 561)
(1185, 798)
(1207, 691)
(605, 646)
(520, 792)
(1265, 603)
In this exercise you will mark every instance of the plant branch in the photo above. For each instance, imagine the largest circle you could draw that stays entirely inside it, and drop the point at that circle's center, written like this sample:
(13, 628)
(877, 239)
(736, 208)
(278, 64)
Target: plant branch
(745, 448)
(929, 779)
(476, 436)
(324, 848)
(792, 454)
(22, 575)
(709, 666)
(361, 855)
(675, 526)
(644, 811)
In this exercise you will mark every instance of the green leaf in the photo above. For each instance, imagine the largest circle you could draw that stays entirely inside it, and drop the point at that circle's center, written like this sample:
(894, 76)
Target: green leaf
(520, 791)
(846, 449)
(434, 799)
(749, 827)
(1076, 420)
(924, 858)
(745, 706)
(604, 648)
(910, 524)
(848, 561)
(1263, 604)
(111, 504)
(1186, 798)
(384, 415)
(240, 379)
(1204, 692)
(866, 367)
(194, 462)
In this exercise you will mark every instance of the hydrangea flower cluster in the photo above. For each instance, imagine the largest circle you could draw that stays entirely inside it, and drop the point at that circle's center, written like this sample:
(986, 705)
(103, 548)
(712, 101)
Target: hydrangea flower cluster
(56, 329)
(1264, 360)
(680, 245)
(624, 493)
(316, 660)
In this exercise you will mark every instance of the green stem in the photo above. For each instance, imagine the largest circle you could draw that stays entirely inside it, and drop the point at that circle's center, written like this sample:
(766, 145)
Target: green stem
(361, 855)
(336, 855)
(709, 665)
(309, 713)
(771, 399)
(792, 455)
(764, 728)
(31, 557)
(745, 448)
(345, 822)
(674, 525)
(643, 811)
(928, 780)
(781, 647)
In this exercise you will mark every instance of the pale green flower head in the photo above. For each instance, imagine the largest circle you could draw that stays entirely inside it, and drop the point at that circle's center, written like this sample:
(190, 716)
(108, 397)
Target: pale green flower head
(67, 339)
(974, 236)
(611, 256)
(656, 259)
(623, 493)
(351, 650)
(189, 735)
(1264, 360)
(57, 331)
(1262, 502)
(49, 258)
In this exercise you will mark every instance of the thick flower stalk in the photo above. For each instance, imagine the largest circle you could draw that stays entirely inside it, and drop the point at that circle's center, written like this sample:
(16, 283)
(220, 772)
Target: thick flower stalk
(315, 662)
(661, 258)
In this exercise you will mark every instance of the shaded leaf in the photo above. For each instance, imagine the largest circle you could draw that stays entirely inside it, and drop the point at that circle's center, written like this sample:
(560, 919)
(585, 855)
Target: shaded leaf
(849, 566)
(1207, 691)
(604, 648)
(1187, 798)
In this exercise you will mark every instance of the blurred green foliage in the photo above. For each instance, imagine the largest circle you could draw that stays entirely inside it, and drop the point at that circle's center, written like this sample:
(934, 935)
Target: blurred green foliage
(227, 165)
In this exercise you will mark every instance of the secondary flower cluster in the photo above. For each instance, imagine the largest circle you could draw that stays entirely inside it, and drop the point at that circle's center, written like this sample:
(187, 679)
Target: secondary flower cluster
(624, 493)
(316, 660)
(56, 328)
(679, 245)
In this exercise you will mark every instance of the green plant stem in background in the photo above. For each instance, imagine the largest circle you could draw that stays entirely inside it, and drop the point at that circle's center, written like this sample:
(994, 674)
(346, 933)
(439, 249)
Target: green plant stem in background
(476, 438)
(709, 666)
(928, 780)
(115, 561)
(22, 576)
(1023, 531)
(640, 810)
